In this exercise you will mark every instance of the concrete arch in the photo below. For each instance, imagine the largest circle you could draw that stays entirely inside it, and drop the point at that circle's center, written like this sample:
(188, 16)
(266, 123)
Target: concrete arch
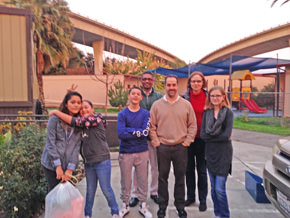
(105, 38)
(266, 41)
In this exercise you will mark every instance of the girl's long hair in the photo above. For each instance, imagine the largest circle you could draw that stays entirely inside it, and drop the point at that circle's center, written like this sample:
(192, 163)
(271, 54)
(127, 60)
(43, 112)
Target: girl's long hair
(63, 108)
(225, 103)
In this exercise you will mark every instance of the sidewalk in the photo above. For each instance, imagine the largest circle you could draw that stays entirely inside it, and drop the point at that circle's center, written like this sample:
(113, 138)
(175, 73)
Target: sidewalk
(251, 150)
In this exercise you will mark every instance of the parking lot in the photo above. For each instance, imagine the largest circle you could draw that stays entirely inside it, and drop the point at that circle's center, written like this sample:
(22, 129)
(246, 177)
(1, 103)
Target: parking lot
(251, 150)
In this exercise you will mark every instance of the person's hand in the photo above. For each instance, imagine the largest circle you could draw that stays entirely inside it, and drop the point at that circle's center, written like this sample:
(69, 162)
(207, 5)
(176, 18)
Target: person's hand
(184, 144)
(59, 172)
(52, 113)
(67, 175)
(230, 137)
(72, 88)
(156, 145)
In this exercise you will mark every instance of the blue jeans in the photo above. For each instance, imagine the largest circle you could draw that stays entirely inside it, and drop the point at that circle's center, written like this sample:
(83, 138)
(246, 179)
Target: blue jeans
(99, 172)
(219, 195)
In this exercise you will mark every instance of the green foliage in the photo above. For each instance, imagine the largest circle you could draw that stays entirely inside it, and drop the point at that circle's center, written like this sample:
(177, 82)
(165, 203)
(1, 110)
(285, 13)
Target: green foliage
(5, 138)
(110, 110)
(22, 183)
(118, 96)
(53, 32)
(265, 99)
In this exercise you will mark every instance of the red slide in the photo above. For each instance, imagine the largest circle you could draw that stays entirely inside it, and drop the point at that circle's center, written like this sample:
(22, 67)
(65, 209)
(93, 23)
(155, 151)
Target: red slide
(253, 107)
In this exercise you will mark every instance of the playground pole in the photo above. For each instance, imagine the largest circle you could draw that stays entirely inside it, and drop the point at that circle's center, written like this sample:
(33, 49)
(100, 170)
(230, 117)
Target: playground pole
(189, 66)
(278, 88)
(230, 80)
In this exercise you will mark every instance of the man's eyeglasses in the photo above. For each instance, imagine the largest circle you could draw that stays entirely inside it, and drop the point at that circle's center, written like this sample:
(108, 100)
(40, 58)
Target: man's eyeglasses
(196, 81)
(148, 79)
(215, 96)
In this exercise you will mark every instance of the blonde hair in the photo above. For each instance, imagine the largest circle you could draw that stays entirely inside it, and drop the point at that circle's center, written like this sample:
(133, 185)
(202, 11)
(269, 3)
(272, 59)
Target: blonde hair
(225, 103)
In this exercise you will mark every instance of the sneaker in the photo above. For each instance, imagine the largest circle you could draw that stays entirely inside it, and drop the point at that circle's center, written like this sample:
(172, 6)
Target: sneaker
(124, 211)
(161, 213)
(133, 202)
(115, 216)
(202, 207)
(143, 210)
(181, 213)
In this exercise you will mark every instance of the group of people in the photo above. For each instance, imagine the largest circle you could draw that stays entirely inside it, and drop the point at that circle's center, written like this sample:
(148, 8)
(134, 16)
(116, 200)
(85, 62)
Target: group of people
(193, 131)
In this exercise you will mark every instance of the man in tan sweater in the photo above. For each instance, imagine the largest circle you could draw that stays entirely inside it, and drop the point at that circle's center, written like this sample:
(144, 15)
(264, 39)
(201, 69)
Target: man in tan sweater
(173, 128)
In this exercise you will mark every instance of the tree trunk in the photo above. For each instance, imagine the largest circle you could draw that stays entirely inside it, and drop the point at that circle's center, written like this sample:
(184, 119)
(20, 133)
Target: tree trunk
(39, 69)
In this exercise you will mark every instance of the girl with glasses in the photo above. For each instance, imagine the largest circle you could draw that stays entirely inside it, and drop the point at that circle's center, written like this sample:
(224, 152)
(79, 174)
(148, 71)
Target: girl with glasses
(216, 131)
(196, 95)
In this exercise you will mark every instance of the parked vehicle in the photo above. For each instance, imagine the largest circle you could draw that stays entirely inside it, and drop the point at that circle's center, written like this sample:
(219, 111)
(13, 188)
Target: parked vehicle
(276, 177)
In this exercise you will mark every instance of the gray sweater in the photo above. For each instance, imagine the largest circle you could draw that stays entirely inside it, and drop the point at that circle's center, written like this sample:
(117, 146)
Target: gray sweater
(61, 147)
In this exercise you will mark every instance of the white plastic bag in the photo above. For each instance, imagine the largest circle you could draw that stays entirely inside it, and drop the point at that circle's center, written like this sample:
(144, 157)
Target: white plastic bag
(64, 201)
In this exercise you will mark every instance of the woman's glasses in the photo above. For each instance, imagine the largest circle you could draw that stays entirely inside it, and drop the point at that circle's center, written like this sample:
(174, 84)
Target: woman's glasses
(215, 96)
(195, 81)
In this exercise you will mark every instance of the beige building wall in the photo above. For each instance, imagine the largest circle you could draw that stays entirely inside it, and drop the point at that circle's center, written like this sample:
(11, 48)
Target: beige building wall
(89, 86)
(13, 71)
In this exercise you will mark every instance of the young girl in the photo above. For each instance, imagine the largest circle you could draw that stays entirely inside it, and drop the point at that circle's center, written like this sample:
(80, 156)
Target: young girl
(216, 131)
(61, 152)
(96, 155)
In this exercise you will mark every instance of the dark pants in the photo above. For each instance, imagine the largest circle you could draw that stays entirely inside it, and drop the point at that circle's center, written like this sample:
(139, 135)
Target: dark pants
(177, 154)
(50, 176)
(196, 158)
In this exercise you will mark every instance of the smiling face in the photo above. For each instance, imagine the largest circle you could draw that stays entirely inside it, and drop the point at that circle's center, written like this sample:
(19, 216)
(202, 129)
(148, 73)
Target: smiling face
(74, 105)
(147, 81)
(216, 98)
(87, 109)
(171, 87)
(196, 83)
(135, 96)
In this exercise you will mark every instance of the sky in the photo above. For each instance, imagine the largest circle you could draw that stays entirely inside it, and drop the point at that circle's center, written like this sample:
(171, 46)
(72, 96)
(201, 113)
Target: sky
(188, 29)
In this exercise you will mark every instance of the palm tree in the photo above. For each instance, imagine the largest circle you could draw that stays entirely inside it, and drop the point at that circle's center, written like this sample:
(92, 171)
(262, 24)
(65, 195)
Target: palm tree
(52, 36)
(275, 1)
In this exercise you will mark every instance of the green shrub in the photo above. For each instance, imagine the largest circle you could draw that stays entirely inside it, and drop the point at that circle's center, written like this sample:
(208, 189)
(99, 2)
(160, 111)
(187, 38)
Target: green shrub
(118, 96)
(22, 182)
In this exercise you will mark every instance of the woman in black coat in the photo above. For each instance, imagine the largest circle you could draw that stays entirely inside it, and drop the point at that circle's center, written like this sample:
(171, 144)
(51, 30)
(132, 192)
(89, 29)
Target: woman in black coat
(216, 131)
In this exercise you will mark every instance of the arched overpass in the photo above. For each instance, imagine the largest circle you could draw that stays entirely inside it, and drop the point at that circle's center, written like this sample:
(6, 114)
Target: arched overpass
(105, 38)
(266, 41)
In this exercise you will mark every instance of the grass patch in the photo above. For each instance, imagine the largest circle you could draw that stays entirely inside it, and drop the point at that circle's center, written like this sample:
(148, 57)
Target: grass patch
(112, 149)
(110, 110)
(274, 125)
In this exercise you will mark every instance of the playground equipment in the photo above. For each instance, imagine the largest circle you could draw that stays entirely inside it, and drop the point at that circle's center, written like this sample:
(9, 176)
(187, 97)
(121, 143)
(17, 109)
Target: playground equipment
(242, 95)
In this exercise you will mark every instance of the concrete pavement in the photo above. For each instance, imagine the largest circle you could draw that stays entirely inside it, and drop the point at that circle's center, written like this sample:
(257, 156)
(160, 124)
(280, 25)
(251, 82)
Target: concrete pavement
(251, 151)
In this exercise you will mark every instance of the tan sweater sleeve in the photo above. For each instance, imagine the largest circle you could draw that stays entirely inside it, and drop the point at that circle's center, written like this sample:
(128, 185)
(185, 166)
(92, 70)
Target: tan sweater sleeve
(191, 126)
(153, 126)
